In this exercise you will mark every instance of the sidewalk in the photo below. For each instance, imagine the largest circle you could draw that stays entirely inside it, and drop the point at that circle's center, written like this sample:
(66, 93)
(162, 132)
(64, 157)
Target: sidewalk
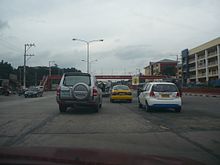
(202, 94)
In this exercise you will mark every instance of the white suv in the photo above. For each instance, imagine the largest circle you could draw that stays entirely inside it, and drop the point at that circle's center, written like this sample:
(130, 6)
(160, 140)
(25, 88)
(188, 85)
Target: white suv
(160, 95)
(78, 89)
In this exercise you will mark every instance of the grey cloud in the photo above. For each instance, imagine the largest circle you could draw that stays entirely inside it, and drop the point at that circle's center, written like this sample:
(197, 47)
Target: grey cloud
(3, 24)
(132, 52)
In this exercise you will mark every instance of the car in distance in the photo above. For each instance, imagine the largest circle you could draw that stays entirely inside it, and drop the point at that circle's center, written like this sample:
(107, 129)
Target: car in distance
(33, 92)
(121, 93)
(78, 89)
(160, 95)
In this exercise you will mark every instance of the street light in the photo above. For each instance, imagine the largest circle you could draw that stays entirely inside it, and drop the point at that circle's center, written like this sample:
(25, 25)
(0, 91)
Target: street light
(87, 43)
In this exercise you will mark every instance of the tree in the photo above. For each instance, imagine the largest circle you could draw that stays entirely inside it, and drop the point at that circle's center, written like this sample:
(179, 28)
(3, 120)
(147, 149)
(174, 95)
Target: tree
(5, 70)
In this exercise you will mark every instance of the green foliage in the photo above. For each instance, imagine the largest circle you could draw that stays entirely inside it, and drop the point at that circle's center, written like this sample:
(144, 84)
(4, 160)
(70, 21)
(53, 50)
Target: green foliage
(33, 74)
(5, 70)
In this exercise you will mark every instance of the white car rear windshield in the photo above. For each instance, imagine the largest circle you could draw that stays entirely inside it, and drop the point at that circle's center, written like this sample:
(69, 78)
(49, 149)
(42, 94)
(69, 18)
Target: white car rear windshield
(72, 80)
(164, 88)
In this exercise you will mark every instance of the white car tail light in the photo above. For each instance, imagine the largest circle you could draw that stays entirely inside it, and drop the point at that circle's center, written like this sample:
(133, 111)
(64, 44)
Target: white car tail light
(152, 94)
(178, 94)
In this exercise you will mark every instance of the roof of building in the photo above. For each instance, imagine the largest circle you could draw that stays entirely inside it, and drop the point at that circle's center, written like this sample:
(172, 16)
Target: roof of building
(161, 61)
(165, 60)
(205, 46)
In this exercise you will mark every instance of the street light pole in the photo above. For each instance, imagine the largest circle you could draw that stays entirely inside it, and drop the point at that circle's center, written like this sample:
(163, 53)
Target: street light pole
(87, 57)
(88, 42)
(90, 63)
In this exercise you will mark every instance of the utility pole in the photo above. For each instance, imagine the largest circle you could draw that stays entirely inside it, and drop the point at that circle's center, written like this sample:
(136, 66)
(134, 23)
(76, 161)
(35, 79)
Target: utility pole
(26, 48)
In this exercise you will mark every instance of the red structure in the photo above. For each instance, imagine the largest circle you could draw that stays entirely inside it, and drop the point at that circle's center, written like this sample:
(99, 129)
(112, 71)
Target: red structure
(128, 77)
(51, 82)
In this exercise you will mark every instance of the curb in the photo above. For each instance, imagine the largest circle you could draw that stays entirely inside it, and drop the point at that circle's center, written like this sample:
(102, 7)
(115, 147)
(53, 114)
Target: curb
(201, 94)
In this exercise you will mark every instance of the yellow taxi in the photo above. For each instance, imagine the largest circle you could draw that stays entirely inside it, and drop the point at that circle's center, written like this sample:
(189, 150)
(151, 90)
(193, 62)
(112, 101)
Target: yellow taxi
(121, 93)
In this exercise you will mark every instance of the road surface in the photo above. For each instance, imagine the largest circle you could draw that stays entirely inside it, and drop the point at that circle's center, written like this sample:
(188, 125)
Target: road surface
(194, 133)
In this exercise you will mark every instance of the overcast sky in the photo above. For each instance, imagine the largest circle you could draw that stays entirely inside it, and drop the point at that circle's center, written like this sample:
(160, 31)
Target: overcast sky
(135, 32)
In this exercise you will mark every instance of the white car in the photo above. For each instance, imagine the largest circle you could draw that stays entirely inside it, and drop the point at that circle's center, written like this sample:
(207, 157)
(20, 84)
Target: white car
(156, 95)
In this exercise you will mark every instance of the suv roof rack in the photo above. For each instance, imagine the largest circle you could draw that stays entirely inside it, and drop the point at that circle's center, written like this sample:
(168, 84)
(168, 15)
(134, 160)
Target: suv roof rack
(76, 74)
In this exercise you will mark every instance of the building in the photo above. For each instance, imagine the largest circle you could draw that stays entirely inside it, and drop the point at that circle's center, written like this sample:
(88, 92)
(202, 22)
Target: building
(163, 67)
(202, 63)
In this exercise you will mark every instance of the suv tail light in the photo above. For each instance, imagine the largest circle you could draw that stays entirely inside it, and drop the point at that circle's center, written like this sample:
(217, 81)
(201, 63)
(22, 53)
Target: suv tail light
(152, 94)
(94, 92)
(58, 90)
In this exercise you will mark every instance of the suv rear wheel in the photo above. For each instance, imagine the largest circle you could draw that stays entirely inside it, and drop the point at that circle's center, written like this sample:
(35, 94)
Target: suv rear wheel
(62, 108)
(96, 108)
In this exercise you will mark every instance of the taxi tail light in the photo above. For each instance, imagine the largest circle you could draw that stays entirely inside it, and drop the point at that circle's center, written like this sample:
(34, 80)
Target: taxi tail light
(152, 94)
(58, 91)
(129, 93)
(94, 92)
(114, 93)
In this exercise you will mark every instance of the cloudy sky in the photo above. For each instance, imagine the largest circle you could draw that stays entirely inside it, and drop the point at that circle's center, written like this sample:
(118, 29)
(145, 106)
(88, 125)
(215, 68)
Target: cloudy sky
(135, 32)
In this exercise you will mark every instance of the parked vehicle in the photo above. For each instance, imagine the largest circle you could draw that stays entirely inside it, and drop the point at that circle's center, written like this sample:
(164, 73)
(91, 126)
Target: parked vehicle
(4, 91)
(121, 93)
(139, 88)
(33, 92)
(21, 91)
(160, 95)
(105, 86)
(78, 89)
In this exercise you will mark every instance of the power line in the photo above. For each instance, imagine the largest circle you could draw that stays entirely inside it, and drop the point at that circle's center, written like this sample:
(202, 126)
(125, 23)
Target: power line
(10, 45)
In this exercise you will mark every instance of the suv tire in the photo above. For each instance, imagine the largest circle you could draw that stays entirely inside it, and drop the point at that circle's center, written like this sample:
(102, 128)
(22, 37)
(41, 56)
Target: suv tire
(96, 108)
(62, 108)
(80, 91)
(148, 108)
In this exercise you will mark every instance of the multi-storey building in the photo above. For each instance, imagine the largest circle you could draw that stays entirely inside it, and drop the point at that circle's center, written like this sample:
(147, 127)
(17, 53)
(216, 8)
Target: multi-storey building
(163, 67)
(202, 63)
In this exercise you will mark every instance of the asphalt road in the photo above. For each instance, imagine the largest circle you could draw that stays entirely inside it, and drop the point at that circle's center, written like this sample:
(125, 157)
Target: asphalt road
(194, 133)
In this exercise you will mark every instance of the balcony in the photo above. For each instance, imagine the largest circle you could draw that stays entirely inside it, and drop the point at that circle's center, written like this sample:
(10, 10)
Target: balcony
(192, 61)
(214, 63)
(201, 66)
(201, 57)
(192, 76)
(212, 54)
(192, 68)
(213, 73)
(201, 75)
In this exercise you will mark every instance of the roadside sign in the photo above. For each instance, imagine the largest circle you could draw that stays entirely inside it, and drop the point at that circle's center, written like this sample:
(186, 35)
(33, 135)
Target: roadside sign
(135, 80)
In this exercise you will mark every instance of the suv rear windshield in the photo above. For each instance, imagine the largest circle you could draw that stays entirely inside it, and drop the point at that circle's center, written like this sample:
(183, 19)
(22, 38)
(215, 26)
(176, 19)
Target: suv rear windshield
(164, 88)
(72, 80)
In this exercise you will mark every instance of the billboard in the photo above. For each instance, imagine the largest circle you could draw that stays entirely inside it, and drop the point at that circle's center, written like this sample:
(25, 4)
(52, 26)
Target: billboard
(135, 80)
